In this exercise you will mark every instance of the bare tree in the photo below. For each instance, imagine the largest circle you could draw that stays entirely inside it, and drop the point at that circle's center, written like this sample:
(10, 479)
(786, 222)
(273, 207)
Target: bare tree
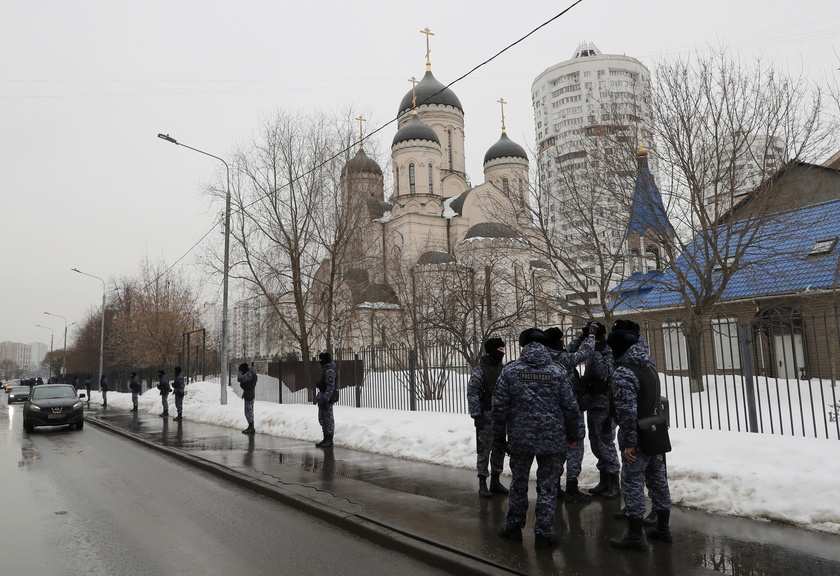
(722, 127)
(283, 181)
(148, 315)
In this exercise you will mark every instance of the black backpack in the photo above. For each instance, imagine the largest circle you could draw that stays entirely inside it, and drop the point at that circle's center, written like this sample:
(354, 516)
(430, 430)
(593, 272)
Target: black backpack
(652, 428)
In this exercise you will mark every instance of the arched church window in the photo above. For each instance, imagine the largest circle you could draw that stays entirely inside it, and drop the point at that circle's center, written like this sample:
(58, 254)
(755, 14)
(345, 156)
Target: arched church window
(431, 186)
(449, 146)
(521, 189)
(506, 186)
(397, 180)
(412, 185)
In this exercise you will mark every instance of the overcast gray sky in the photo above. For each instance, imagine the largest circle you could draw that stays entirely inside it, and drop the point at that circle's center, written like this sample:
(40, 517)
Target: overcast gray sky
(85, 87)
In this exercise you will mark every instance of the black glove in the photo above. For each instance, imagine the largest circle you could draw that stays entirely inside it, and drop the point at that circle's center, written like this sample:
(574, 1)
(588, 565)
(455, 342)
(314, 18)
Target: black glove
(478, 421)
(594, 328)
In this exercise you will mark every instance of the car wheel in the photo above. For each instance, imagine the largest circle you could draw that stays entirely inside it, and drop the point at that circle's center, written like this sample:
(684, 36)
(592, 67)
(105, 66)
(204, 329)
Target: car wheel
(80, 425)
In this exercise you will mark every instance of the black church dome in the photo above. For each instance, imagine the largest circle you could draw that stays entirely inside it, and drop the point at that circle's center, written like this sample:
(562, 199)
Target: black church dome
(430, 91)
(361, 163)
(415, 129)
(505, 148)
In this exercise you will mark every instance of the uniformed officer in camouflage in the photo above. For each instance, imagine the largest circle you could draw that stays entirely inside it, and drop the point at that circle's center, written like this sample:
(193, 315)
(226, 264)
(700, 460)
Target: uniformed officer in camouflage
(577, 351)
(480, 401)
(637, 468)
(179, 389)
(535, 413)
(596, 380)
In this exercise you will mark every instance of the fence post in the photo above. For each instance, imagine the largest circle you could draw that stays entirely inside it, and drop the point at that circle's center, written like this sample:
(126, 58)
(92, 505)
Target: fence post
(412, 380)
(279, 381)
(749, 379)
(357, 380)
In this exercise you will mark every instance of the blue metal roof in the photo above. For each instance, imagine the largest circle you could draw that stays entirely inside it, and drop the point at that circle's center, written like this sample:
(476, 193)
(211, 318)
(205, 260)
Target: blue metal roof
(773, 258)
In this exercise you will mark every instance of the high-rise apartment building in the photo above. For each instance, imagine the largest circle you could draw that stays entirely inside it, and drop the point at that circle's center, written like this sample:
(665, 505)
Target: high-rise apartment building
(590, 117)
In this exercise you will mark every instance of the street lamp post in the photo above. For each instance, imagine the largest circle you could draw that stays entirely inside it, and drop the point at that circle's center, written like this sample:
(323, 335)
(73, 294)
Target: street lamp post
(64, 360)
(223, 374)
(52, 335)
(102, 323)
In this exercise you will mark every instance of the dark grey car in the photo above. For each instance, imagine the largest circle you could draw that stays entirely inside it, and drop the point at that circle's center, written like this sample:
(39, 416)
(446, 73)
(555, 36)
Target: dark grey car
(53, 405)
(18, 394)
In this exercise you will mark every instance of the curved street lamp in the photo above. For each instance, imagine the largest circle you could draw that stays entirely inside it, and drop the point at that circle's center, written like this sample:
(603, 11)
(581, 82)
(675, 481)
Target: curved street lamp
(102, 323)
(64, 360)
(52, 335)
(223, 374)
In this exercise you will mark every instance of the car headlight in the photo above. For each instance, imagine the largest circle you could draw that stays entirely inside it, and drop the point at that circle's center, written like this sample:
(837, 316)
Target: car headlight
(35, 407)
(77, 405)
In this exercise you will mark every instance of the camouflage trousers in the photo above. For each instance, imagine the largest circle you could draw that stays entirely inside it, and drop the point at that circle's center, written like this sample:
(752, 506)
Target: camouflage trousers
(164, 400)
(135, 399)
(326, 418)
(574, 459)
(646, 470)
(548, 472)
(179, 404)
(249, 412)
(484, 449)
(602, 441)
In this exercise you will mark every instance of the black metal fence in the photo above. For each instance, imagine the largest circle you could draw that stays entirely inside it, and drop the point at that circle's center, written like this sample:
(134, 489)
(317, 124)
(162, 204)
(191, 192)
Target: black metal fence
(776, 374)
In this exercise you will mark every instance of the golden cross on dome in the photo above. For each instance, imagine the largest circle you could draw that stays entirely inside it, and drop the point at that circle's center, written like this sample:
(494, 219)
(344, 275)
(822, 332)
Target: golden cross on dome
(640, 151)
(502, 102)
(428, 33)
(414, 81)
(361, 132)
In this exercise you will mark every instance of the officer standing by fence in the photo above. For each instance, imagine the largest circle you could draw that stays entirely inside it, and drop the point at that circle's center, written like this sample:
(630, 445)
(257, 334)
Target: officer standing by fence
(134, 386)
(247, 378)
(635, 389)
(325, 398)
(480, 401)
(535, 415)
(179, 389)
(165, 389)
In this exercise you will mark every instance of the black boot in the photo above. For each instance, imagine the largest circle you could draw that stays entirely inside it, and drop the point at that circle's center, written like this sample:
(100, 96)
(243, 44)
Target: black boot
(327, 442)
(614, 489)
(573, 494)
(650, 519)
(496, 487)
(602, 485)
(662, 531)
(483, 491)
(621, 514)
(249, 429)
(634, 539)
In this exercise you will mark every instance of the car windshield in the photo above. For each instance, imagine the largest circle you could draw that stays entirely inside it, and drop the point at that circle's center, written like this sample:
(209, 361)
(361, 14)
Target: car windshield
(47, 392)
(20, 390)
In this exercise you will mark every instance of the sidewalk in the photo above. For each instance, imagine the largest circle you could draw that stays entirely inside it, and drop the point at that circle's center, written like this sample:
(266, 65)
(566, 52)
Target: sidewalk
(434, 513)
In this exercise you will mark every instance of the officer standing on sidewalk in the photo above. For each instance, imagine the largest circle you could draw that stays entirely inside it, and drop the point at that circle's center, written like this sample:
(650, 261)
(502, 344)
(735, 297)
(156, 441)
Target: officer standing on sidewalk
(134, 386)
(179, 389)
(535, 415)
(577, 351)
(247, 378)
(103, 387)
(325, 398)
(635, 390)
(480, 401)
(165, 389)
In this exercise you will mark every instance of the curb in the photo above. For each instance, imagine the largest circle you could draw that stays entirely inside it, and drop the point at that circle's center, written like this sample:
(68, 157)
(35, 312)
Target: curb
(432, 553)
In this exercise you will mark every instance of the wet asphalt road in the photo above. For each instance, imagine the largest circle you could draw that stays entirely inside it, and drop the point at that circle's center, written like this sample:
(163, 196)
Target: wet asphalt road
(433, 512)
(91, 503)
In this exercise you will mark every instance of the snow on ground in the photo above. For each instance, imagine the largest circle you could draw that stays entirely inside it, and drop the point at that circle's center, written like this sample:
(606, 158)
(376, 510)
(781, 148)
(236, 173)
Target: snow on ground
(771, 477)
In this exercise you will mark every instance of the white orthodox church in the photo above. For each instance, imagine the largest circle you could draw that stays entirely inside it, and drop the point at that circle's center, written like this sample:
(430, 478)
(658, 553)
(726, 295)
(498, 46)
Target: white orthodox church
(435, 249)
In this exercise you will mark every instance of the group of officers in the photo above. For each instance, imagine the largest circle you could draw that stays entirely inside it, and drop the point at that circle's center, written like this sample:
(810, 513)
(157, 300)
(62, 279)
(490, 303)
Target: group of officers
(533, 408)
